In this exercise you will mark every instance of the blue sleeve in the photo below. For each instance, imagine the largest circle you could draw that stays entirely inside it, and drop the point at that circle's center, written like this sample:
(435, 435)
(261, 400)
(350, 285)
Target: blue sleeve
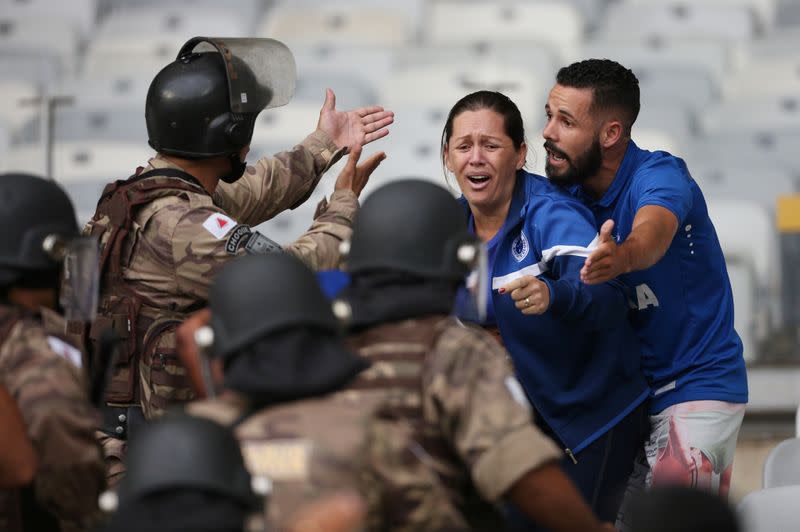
(666, 184)
(332, 282)
(567, 228)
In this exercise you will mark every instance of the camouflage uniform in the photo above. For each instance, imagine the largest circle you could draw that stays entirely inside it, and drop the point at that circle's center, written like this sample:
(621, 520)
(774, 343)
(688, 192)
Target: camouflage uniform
(42, 373)
(434, 429)
(179, 241)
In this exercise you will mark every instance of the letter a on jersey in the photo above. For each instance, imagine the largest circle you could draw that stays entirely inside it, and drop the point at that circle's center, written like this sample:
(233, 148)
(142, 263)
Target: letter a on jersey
(645, 297)
(219, 225)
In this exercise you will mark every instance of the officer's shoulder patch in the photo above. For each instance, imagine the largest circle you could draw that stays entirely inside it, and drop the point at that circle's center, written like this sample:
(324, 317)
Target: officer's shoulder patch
(219, 224)
(286, 459)
(238, 237)
(64, 350)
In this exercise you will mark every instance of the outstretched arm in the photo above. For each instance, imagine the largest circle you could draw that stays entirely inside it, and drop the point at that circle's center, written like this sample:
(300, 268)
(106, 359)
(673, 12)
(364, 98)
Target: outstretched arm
(548, 497)
(653, 229)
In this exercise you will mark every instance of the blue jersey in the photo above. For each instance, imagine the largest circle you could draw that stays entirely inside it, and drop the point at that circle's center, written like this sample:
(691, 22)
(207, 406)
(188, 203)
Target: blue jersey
(579, 362)
(683, 304)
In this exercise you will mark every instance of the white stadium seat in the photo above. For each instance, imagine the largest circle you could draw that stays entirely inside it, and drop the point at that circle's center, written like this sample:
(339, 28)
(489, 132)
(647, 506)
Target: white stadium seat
(782, 466)
(775, 113)
(728, 23)
(558, 25)
(333, 24)
(748, 236)
(80, 14)
(771, 510)
(41, 35)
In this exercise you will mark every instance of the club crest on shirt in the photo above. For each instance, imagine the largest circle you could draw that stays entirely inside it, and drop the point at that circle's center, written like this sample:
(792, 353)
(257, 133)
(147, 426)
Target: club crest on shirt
(520, 247)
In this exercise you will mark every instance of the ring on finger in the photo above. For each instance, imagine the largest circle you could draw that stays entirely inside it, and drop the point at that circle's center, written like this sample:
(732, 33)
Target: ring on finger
(527, 302)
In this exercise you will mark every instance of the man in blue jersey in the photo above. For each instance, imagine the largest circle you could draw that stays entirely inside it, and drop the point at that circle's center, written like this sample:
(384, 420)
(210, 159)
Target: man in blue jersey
(656, 236)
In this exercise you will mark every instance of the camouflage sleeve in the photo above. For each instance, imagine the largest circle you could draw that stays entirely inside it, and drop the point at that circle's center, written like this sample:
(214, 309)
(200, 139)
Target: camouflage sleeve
(483, 411)
(48, 389)
(319, 246)
(202, 242)
(274, 184)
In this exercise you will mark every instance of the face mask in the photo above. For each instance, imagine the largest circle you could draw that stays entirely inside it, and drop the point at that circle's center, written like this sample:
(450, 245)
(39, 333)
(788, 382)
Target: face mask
(237, 169)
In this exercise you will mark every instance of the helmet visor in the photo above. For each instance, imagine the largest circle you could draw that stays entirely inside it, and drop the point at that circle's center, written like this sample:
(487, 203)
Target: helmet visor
(81, 279)
(261, 72)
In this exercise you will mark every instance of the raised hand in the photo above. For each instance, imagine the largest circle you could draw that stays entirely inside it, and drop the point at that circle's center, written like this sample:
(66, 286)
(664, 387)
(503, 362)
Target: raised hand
(354, 177)
(607, 261)
(530, 295)
(359, 126)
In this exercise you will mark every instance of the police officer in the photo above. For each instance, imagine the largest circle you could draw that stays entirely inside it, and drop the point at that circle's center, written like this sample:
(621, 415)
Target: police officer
(166, 231)
(434, 432)
(40, 369)
(187, 474)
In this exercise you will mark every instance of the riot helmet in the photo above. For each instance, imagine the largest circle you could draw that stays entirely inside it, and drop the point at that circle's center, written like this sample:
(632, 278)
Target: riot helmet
(205, 103)
(37, 218)
(412, 226)
(256, 295)
(180, 452)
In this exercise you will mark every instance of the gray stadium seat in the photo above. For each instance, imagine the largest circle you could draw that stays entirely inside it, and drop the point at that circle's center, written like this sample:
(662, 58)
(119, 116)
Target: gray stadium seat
(782, 466)
(764, 76)
(758, 148)
(335, 24)
(685, 21)
(771, 510)
(73, 124)
(558, 25)
(734, 179)
(775, 113)
(763, 9)
(81, 14)
(41, 35)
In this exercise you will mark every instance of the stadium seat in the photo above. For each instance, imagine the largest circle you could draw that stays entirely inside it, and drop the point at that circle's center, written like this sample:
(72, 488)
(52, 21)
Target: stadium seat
(690, 88)
(72, 124)
(335, 24)
(533, 57)
(728, 23)
(748, 236)
(745, 295)
(797, 423)
(367, 65)
(137, 43)
(782, 466)
(80, 14)
(42, 69)
(771, 510)
(709, 56)
(283, 127)
(656, 139)
(13, 111)
(763, 9)
(247, 9)
(351, 92)
(124, 92)
(764, 77)
(555, 24)
(739, 179)
(775, 113)
(444, 85)
(41, 35)
(759, 148)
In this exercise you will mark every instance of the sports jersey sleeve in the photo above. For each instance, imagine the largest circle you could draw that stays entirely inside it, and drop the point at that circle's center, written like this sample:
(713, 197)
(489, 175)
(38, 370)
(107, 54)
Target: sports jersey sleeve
(483, 411)
(283, 181)
(665, 184)
(565, 233)
(42, 375)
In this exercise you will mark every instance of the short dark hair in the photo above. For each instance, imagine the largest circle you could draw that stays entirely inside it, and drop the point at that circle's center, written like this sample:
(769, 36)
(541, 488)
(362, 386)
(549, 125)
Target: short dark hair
(613, 86)
(497, 102)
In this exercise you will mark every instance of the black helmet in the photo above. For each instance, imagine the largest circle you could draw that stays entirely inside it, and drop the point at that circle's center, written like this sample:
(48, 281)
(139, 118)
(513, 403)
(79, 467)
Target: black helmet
(205, 103)
(32, 209)
(411, 226)
(183, 452)
(188, 109)
(258, 294)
